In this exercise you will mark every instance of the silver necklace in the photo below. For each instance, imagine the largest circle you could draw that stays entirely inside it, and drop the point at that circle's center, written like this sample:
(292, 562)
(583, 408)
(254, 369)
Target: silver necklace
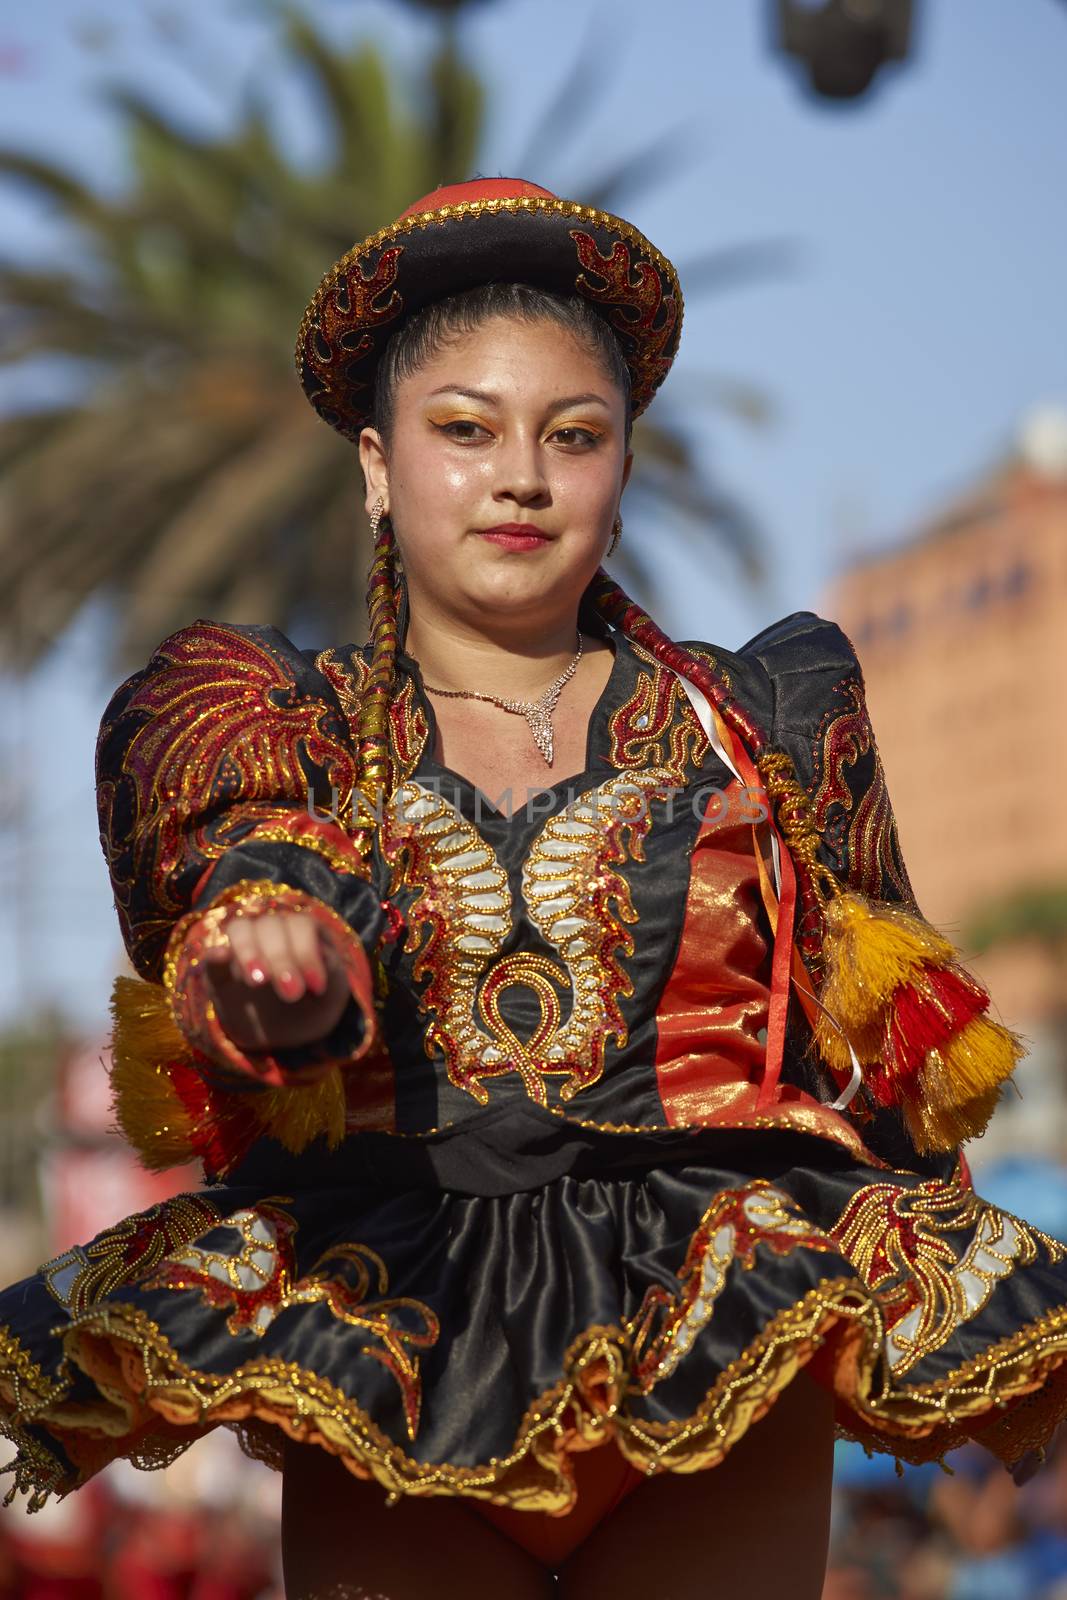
(538, 713)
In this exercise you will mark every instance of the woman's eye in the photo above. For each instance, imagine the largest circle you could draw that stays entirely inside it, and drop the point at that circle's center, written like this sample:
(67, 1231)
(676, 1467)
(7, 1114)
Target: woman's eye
(577, 436)
(461, 429)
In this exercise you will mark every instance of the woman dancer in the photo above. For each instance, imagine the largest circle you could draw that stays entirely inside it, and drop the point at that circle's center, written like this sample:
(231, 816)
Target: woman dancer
(579, 1090)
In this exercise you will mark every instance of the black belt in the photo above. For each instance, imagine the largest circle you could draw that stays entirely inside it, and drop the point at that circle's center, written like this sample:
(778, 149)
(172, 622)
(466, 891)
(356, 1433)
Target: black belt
(510, 1148)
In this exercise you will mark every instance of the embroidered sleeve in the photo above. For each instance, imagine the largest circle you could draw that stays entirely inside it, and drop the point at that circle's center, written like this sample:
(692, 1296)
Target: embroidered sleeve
(821, 719)
(217, 766)
(934, 1060)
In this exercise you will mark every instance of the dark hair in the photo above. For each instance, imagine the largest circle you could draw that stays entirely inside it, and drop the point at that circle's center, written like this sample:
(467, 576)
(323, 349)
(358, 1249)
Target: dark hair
(423, 334)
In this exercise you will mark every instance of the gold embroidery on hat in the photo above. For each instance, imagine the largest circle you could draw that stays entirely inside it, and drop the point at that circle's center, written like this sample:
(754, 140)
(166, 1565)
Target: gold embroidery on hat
(335, 395)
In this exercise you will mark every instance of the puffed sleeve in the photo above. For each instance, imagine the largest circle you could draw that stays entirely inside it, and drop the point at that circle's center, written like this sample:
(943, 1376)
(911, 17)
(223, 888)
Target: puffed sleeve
(217, 767)
(821, 720)
(935, 1060)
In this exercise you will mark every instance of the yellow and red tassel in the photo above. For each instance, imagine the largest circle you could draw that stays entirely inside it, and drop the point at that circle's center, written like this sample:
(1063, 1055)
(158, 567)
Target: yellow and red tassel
(171, 1114)
(915, 1018)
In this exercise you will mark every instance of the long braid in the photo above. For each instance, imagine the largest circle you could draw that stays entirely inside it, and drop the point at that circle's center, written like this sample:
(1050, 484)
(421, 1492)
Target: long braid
(615, 606)
(792, 806)
(374, 764)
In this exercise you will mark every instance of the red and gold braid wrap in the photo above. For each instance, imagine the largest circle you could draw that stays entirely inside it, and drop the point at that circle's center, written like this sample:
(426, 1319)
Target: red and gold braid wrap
(787, 796)
(372, 754)
(615, 606)
(194, 1011)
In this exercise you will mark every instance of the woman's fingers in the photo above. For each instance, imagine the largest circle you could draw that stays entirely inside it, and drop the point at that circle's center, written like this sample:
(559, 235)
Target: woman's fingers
(306, 947)
(280, 947)
(267, 962)
(249, 962)
(277, 953)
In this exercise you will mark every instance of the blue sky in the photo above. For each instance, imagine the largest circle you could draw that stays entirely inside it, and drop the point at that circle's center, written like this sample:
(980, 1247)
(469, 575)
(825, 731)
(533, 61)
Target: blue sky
(925, 310)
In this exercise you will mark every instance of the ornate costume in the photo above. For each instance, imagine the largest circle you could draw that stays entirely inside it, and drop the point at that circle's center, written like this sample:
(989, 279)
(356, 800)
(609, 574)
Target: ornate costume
(584, 1158)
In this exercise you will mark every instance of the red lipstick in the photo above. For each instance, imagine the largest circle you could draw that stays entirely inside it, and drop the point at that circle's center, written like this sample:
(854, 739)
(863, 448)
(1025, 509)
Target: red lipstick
(516, 535)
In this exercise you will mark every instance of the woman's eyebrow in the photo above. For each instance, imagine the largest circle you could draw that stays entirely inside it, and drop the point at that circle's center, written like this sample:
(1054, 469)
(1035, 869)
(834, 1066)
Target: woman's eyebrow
(488, 398)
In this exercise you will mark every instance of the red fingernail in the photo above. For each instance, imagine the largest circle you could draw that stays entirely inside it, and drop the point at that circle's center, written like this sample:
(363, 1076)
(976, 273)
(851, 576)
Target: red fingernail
(257, 974)
(290, 985)
(315, 980)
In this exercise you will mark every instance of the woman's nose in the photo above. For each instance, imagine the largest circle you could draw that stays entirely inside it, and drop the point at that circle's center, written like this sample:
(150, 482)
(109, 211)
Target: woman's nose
(520, 471)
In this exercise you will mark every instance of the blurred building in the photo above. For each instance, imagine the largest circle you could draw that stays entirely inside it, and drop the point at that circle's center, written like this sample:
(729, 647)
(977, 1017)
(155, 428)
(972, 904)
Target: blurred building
(962, 634)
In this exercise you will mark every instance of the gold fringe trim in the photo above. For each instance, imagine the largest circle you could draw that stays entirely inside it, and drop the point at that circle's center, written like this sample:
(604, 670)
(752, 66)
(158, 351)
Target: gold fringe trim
(128, 1355)
(149, 1111)
(144, 1040)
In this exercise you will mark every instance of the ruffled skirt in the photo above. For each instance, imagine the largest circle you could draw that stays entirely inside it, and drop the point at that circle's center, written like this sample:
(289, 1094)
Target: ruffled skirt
(559, 1288)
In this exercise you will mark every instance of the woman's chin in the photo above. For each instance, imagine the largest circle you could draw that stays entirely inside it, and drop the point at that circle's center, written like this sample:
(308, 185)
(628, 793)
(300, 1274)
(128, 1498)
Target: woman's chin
(521, 585)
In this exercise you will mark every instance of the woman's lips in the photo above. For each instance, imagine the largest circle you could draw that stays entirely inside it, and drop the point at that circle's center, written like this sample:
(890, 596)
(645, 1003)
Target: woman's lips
(516, 536)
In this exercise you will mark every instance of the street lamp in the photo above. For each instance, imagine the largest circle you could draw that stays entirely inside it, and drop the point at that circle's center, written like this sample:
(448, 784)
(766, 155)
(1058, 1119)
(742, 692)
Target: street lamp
(843, 43)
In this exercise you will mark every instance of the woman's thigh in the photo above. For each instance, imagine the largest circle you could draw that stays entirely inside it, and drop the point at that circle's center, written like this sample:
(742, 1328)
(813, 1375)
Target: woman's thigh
(757, 1525)
(340, 1541)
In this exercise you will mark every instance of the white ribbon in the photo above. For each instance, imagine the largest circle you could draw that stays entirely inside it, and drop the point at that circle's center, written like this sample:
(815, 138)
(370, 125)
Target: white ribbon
(699, 701)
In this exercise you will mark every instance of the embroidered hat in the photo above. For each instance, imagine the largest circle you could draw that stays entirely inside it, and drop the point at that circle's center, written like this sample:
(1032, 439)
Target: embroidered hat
(490, 229)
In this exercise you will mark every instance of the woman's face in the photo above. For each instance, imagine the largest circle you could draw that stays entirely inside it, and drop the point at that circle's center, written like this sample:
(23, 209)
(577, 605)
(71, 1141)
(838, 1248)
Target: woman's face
(516, 423)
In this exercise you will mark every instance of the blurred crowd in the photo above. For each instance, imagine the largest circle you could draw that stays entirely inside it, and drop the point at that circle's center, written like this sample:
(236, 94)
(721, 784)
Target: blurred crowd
(205, 1528)
(927, 1535)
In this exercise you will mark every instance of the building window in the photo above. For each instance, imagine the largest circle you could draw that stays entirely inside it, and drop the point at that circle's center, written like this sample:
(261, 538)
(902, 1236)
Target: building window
(1017, 579)
(978, 592)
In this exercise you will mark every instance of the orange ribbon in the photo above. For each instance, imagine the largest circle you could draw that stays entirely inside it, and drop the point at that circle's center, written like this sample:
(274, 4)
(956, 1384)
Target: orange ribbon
(786, 963)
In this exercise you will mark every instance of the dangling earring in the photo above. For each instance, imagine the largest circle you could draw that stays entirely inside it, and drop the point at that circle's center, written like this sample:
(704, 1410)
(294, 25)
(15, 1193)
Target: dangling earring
(615, 532)
(376, 518)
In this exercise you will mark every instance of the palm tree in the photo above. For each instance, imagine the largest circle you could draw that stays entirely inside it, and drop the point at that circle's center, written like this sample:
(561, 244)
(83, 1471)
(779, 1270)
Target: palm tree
(184, 477)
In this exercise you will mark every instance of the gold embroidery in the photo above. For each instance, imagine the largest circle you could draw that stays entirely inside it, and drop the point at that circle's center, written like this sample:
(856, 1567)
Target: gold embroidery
(340, 334)
(646, 729)
(252, 1274)
(710, 660)
(921, 1421)
(814, 1119)
(871, 845)
(211, 731)
(643, 312)
(576, 900)
(462, 897)
(23, 1383)
(336, 393)
(408, 730)
(296, 828)
(256, 1275)
(894, 1236)
(580, 906)
(86, 1274)
(36, 1472)
(733, 1225)
(408, 726)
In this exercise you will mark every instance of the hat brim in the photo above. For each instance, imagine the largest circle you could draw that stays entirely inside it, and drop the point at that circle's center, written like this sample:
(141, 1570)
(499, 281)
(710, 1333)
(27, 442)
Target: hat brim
(558, 245)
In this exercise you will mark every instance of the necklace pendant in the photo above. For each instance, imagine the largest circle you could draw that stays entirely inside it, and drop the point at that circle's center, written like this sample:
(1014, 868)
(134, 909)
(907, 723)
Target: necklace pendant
(540, 725)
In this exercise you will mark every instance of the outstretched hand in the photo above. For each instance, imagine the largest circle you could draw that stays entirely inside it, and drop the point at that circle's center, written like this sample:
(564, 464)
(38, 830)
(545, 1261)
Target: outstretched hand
(277, 981)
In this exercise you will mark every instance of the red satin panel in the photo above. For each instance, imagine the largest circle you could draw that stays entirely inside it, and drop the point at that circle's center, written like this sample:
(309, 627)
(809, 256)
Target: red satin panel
(709, 1059)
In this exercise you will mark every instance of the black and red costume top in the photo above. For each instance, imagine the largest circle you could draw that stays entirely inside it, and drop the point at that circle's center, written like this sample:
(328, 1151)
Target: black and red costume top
(599, 951)
(532, 1174)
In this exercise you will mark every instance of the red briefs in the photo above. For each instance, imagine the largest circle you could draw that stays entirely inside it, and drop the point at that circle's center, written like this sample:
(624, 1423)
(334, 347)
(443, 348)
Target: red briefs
(603, 1476)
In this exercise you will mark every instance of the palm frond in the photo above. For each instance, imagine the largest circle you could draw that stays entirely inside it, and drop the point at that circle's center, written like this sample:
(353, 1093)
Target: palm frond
(554, 132)
(193, 480)
(656, 163)
(745, 263)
